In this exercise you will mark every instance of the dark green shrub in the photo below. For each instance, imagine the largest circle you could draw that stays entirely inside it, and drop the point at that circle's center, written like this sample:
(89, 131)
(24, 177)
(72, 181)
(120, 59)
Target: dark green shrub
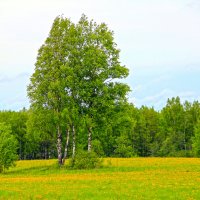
(85, 160)
(123, 148)
(97, 147)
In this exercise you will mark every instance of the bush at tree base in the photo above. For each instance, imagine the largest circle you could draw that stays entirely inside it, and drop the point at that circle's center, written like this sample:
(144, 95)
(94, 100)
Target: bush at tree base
(86, 160)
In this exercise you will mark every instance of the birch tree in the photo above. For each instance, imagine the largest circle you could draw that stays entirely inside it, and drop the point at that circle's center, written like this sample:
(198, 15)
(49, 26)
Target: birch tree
(50, 87)
(100, 67)
(75, 75)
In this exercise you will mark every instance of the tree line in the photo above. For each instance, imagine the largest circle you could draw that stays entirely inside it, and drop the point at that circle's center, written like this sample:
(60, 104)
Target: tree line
(125, 131)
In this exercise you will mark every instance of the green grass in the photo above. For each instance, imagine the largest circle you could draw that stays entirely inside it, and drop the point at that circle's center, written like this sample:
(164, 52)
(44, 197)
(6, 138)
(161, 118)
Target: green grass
(134, 178)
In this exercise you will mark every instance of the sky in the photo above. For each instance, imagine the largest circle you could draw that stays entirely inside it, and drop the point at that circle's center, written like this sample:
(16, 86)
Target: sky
(159, 42)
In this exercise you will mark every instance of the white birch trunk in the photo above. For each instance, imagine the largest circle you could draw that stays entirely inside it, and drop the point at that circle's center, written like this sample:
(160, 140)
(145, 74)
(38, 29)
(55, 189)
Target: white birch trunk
(66, 146)
(89, 139)
(59, 146)
(73, 141)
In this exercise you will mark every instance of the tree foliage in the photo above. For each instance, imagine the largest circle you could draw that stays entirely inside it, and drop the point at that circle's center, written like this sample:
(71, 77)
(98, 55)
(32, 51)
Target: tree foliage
(196, 140)
(8, 147)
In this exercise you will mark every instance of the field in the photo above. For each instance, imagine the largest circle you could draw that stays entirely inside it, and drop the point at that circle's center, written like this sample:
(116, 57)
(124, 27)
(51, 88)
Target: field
(134, 178)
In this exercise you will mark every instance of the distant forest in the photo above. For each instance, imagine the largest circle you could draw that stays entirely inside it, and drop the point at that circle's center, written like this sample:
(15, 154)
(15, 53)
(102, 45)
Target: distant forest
(126, 131)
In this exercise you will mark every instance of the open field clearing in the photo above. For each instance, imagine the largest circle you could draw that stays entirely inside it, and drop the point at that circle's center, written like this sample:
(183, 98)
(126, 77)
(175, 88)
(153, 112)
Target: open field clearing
(134, 178)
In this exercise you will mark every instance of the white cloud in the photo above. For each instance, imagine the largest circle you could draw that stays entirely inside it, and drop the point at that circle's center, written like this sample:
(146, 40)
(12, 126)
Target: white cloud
(137, 88)
(159, 100)
(13, 91)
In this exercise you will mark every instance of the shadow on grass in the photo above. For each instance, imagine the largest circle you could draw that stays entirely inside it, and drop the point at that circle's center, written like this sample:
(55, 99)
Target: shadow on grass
(66, 169)
(51, 169)
(37, 170)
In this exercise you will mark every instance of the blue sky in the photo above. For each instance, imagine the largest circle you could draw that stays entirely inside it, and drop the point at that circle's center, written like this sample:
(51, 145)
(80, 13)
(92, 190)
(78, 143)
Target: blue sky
(159, 42)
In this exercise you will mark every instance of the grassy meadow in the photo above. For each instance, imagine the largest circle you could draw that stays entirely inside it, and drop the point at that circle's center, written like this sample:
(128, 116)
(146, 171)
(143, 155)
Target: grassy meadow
(128, 178)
